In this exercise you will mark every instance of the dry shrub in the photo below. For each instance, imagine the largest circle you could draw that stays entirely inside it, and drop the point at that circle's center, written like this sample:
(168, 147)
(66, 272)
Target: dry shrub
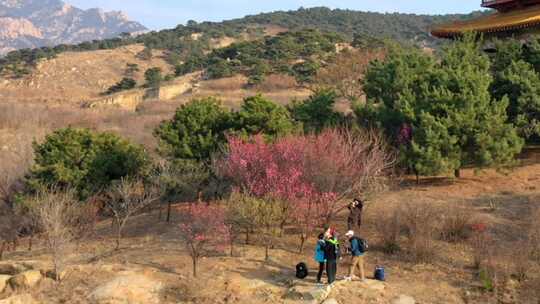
(277, 82)
(389, 227)
(57, 213)
(346, 71)
(455, 223)
(226, 84)
(420, 221)
(529, 292)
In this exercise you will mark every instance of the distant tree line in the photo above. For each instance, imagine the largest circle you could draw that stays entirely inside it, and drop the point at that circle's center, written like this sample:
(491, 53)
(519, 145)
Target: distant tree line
(298, 53)
(180, 42)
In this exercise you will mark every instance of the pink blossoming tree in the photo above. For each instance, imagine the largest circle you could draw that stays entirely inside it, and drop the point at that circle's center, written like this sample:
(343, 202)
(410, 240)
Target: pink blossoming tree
(313, 174)
(203, 230)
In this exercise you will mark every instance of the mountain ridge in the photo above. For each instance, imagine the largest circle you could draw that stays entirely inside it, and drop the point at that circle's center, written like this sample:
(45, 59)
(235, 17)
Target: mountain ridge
(38, 23)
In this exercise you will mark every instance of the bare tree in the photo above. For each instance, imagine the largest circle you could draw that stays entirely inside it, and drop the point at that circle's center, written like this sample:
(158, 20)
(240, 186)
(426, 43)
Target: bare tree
(348, 164)
(346, 71)
(181, 180)
(127, 198)
(15, 162)
(57, 213)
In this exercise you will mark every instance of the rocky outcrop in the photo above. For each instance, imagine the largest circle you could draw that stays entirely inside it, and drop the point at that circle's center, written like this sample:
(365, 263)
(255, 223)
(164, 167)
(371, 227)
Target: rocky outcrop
(3, 282)
(127, 287)
(404, 299)
(126, 100)
(36, 23)
(19, 299)
(25, 280)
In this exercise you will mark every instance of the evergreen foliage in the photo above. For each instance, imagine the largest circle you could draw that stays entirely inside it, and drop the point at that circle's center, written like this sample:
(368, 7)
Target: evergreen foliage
(124, 84)
(441, 113)
(85, 161)
(153, 77)
(516, 69)
(317, 112)
(196, 131)
(259, 115)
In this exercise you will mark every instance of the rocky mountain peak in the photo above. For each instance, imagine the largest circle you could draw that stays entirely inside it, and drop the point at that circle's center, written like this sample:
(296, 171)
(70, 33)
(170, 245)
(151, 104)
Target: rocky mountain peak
(36, 23)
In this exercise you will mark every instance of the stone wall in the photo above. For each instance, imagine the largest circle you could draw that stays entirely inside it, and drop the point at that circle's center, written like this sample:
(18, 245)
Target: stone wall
(130, 100)
(127, 100)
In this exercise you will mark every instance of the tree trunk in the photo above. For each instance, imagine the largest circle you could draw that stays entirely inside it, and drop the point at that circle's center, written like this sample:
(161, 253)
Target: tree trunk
(267, 252)
(169, 207)
(194, 260)
(282, 228)
(247, 236)
(30, 242)
(2, 250)
(303, 239)
(232, 247)
(118, 237)
(457, 173)
(160, 211)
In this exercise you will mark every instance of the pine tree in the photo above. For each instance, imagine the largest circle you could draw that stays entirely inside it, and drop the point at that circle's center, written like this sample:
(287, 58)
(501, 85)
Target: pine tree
(440, 113)
(521, 84)
(478, 121)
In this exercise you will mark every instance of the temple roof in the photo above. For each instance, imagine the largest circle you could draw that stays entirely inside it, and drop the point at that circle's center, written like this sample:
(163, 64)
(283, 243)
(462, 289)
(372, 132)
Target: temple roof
(518, 19)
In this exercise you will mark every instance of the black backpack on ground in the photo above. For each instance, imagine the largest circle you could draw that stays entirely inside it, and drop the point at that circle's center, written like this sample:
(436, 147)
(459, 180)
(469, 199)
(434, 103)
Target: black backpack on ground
(301, 270)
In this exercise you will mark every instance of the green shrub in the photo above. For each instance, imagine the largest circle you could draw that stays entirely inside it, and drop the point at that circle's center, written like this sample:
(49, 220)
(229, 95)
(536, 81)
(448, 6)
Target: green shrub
(153, 77)
(259, 115)
(196, 131)
(122, 85)
(317, 112)
(85, 160)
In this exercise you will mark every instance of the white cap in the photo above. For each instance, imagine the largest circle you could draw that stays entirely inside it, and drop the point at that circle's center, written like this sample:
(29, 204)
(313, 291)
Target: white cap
(349, 233)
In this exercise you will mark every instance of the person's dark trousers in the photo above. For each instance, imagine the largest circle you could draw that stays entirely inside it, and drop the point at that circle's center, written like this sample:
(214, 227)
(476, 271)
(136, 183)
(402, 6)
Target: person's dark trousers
(331, 270)
(354, 221)
(321, 270)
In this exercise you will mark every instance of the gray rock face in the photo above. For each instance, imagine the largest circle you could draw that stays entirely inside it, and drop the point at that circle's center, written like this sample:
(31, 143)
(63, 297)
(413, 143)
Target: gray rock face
(36, 23)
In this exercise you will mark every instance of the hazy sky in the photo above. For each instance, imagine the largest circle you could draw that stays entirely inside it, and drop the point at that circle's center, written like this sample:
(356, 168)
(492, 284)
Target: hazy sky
(157, 14)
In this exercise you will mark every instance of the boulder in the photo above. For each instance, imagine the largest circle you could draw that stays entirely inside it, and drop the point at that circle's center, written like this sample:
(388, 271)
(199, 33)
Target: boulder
(51, 274)
(25, 280)
(403, 299)
(11, 268)
(374, 285)
(3, 282)
(19, 299)
(129, 288)
(330, 301)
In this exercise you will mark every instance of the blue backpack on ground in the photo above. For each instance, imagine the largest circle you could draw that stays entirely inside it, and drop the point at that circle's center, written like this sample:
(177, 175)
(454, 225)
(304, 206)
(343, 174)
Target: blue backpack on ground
(380, 274)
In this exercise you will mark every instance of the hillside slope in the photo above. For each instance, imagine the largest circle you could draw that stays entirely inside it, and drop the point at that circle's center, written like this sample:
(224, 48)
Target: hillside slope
(37, 23)
(78, 76)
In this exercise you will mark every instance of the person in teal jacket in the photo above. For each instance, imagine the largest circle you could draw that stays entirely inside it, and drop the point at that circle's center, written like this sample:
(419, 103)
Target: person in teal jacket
(319, 257)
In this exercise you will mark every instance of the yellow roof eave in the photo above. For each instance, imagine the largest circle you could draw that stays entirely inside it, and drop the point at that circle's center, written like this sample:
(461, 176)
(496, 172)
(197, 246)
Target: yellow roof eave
(496, 22)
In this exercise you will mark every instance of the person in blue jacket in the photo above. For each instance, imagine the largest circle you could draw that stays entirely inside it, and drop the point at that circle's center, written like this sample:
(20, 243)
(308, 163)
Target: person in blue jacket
(357, 250)
(319, 257)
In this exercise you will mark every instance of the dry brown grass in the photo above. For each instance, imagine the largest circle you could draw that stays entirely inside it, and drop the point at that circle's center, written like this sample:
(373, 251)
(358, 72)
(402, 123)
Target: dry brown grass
(389, 228)
(277, 82)
(74, 77)
(455, 222)
(234, 83)
(420, 220)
